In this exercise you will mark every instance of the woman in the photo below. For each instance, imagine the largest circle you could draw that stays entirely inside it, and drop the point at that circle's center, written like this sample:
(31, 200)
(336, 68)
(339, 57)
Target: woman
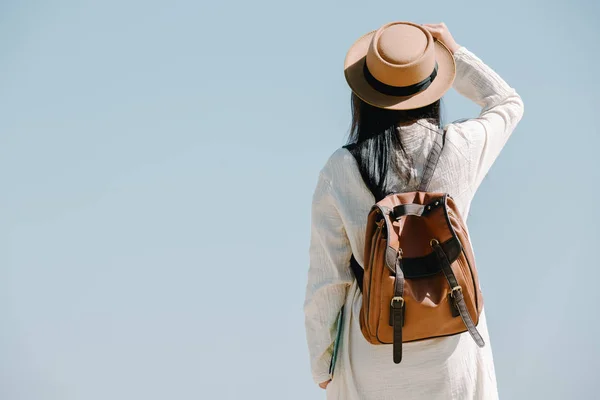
(398, 75)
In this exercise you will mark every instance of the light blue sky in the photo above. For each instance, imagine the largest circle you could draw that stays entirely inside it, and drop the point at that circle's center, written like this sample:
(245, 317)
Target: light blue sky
(157, 162)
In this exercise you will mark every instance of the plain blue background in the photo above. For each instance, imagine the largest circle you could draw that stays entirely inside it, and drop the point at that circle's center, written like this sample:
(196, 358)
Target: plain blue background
(157, 163)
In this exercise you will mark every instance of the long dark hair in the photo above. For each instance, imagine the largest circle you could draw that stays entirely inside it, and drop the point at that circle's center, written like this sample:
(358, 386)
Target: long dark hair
(375, 141)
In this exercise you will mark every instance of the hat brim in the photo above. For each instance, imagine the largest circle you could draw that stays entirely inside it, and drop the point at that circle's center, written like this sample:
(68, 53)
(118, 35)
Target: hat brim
(354, 72)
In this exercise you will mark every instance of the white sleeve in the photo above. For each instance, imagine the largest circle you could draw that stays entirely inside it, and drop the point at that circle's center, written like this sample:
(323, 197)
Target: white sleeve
(502, 109)
(329, 277)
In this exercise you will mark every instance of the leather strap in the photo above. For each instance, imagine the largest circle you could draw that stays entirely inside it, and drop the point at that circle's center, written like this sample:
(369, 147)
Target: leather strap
(408, 209)
(457, 295)
(417, 210)
(397, 308)
(432, 160)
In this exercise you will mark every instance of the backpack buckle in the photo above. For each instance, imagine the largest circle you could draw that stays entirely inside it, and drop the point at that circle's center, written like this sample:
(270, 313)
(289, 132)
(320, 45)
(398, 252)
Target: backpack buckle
(454, 290)
(397, 300)
(397, 312)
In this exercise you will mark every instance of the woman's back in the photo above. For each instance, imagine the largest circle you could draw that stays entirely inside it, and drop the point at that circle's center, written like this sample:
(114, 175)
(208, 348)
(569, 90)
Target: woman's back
(445, 368)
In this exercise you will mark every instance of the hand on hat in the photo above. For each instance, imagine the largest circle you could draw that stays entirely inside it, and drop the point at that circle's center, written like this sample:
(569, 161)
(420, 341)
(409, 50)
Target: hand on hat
(440, 32)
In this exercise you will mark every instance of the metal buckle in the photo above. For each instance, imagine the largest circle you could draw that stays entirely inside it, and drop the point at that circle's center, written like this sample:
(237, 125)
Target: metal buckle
(454, 290)
(433, 242)
(397, 299)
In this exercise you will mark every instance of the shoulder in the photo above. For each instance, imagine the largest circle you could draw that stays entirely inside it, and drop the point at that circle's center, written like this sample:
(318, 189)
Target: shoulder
(459, 137)
(336, 165)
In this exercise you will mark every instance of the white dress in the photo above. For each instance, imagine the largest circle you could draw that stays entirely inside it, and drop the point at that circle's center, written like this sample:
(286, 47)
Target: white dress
(444, 368)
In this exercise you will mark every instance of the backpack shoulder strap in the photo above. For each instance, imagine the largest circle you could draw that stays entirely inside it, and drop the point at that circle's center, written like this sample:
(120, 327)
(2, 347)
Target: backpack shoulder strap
(432, 160)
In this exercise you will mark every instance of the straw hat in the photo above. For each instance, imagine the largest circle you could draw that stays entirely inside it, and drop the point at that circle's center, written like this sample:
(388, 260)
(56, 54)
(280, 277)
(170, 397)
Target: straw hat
(399, 67)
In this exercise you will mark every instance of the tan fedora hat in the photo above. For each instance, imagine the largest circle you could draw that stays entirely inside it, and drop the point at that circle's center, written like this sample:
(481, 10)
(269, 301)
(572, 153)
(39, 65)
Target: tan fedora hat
(399, 67)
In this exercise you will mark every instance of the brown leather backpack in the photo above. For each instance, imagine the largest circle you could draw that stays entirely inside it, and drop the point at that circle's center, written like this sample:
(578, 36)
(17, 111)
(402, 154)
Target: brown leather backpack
(419, 279)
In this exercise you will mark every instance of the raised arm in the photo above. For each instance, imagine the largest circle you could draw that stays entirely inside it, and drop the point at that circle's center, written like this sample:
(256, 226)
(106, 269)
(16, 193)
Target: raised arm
(501, 111)
(501, 106)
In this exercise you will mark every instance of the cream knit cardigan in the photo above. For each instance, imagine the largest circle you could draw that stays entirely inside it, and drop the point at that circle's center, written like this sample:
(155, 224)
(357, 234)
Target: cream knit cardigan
(443, 368)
